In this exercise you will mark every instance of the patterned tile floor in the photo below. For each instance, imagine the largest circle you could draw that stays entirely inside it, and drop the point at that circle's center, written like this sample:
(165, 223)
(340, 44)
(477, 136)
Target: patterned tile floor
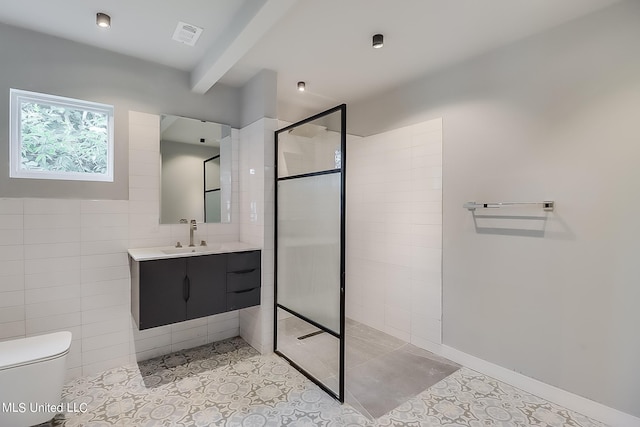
(229, 384)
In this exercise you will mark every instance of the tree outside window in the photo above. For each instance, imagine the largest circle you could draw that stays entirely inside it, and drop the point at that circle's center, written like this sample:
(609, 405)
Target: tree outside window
(60, 138)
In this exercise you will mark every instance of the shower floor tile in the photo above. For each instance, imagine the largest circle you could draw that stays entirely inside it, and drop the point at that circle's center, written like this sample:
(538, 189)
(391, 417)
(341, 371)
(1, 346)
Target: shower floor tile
(385, 382)
(382, 372)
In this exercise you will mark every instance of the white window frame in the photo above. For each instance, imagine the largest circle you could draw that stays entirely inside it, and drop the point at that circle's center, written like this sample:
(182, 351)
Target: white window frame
(15, 139)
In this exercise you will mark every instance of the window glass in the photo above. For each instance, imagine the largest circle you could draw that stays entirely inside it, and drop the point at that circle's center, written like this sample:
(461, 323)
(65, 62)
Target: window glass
(60, 138)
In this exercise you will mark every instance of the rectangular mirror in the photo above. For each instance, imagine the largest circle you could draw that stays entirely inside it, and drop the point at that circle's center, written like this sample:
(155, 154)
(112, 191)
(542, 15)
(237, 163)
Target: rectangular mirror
(195, 170)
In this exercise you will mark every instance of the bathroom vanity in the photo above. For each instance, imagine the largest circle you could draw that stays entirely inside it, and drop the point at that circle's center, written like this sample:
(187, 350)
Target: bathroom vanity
(170, 285)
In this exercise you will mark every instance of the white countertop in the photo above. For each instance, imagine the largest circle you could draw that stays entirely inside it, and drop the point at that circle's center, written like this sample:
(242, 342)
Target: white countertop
(164, 252)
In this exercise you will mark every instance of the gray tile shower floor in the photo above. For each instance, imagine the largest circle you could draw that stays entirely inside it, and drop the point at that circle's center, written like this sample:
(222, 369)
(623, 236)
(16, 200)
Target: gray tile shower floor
(382, 371)
(229, 384)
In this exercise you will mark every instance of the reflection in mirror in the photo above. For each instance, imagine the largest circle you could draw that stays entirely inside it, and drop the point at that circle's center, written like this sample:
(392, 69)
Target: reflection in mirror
(212, 189)
(195, 170)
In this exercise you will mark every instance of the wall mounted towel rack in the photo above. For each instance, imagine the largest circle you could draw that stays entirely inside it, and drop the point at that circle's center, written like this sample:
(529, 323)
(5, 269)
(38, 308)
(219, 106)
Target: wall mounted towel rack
(472, 206)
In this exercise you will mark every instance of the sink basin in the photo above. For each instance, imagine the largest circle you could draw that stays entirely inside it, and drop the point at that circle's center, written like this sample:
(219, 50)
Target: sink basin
(187, 249)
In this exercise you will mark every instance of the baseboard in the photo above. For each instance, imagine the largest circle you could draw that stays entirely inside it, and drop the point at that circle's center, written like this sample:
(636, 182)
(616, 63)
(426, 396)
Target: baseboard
(582, 405)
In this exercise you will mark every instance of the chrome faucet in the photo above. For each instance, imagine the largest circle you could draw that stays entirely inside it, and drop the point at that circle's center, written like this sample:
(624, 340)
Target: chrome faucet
(192, 226)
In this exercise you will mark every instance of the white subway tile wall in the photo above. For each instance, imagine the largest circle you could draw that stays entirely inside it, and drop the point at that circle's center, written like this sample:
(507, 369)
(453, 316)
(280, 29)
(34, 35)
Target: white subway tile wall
(394, 232)
(256, 223)
(64, 265)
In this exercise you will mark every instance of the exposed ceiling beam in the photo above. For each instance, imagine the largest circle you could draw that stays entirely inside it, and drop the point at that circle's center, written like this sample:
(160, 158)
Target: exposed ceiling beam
(249, 26)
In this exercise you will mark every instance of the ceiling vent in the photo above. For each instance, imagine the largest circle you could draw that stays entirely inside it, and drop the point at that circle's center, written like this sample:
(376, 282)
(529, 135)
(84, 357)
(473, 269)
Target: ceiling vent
(187, 33)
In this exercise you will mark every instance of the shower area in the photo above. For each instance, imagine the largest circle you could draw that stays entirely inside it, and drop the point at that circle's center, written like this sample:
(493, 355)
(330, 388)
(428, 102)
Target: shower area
(357, 259)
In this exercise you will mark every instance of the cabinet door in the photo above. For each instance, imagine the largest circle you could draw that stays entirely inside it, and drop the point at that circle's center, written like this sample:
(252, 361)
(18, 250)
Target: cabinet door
(243, 299)
(207, 276)
(243, 261)
(162, 292)
(243, 280)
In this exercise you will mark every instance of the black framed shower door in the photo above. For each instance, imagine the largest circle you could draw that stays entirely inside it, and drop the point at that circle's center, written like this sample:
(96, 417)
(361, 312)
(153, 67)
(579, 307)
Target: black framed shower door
(309, 256)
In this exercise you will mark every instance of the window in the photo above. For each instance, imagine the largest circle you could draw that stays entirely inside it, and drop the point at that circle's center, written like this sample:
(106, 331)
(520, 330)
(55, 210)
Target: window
(60, 138)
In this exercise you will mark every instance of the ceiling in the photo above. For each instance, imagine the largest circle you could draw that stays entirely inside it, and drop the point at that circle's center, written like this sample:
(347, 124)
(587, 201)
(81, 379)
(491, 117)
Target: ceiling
(326, 43)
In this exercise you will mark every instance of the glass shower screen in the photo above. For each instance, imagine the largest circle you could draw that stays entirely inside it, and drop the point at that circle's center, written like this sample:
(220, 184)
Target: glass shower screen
(309, 247)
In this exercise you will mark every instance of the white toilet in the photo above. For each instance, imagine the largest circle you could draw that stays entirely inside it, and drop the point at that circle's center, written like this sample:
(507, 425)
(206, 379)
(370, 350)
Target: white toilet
(32, 372)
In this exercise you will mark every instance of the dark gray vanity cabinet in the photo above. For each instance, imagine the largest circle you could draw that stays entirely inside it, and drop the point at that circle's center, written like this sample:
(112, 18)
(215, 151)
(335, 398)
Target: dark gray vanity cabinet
(161, 288)
(243, 280)
(206, 277)
(171, 290)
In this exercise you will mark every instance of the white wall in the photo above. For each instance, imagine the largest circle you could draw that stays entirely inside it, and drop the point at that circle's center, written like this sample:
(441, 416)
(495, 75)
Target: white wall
(394, 231)
(554, 117)
(258, 98)
(256, 175)
(64, 266)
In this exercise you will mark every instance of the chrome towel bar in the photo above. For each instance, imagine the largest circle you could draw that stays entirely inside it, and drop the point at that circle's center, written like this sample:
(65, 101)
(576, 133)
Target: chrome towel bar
(472, 206)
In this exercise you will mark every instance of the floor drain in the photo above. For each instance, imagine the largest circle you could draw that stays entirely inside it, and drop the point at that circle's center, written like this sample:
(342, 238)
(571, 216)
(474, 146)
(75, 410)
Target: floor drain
(312, 334)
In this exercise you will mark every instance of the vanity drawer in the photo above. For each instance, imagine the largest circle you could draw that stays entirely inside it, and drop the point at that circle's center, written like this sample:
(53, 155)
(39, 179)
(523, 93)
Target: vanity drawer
(243, 280)
(242, 261)
(242, 299)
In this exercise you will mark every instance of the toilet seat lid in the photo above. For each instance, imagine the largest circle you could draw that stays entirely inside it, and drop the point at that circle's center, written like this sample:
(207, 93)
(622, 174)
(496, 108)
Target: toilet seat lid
(24, 351)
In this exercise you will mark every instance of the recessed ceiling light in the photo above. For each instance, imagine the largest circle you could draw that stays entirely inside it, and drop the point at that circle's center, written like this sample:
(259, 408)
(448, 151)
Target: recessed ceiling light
(103, 20)
(378, 41)
(301, 86)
